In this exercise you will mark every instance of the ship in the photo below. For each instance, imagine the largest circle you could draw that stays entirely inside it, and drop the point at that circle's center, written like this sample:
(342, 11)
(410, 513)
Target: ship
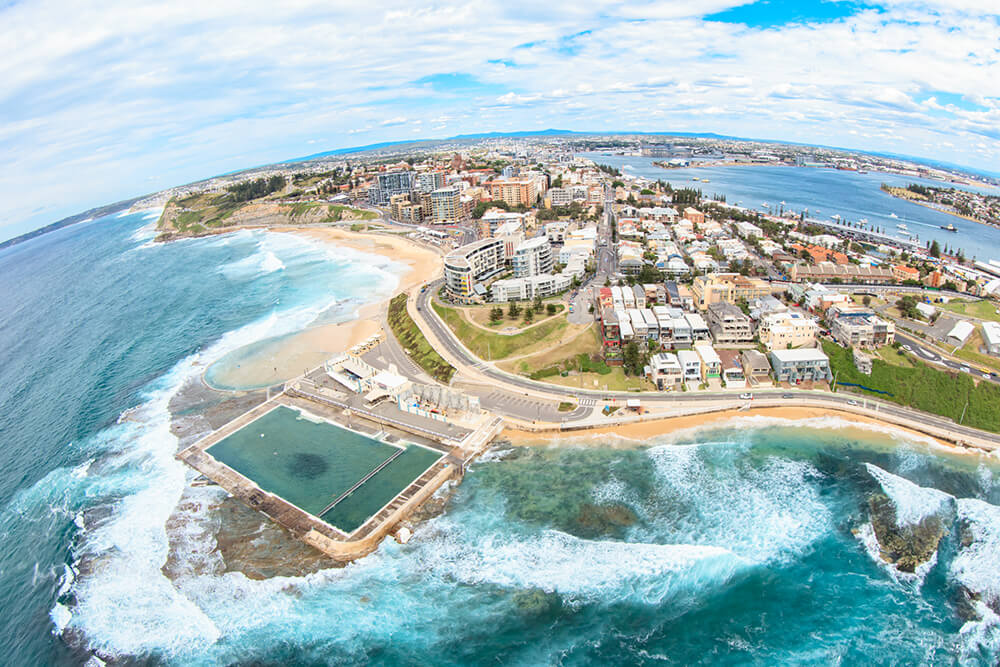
(949, 227)
(902, 226)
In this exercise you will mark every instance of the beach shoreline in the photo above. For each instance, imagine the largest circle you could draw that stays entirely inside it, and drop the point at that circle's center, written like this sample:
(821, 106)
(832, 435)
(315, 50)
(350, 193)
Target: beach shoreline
(279, 360)
(637, 434)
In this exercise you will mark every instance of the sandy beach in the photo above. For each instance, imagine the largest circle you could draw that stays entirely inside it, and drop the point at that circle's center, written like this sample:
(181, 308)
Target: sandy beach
(639, 432)
(281, 359)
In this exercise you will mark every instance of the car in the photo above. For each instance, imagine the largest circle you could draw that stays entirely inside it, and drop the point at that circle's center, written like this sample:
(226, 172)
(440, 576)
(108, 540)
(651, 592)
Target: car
(852, 402)
(966, 369)
(788, 395)
(746, 396)
(908, 348)
(986, 375)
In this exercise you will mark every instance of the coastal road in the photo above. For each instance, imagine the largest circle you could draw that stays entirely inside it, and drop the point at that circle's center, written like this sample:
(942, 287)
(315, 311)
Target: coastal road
(512, 384)
(928, 354)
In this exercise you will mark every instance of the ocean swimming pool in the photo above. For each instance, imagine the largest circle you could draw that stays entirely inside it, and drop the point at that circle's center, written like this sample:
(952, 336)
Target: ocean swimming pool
(313, 463)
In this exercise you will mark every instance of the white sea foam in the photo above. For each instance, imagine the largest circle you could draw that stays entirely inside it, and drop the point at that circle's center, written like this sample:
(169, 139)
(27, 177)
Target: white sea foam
(763, 512)
(126, 551)
(913, 503)
(592, 570)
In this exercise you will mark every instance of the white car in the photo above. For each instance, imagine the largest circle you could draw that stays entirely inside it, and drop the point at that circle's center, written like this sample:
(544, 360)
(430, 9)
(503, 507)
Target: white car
(908, 348)
(852, 402)
(966, 369)
(747, 396)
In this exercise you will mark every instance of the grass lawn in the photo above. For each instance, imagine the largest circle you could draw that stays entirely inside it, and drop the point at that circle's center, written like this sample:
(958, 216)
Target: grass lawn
(890, 355)
(481, 315)
(616, 380)
(412, 339)
(984, 309)
(873, 300)
(588, 343)
(923, 387)
(486, 345)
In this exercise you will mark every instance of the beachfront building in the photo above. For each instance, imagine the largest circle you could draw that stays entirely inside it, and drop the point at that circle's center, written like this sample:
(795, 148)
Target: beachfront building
(862, 329)
(446, 206)
(611, 340)
(495, 217)
(512, 235)
(732, 369)
(711, 364)
(690, 365)
(388, 184)
(532, 257)
(728, 324)
(756, 367)
(728, 287)
(801, 365)
(665, 372)
(529, 287)
(471, 264)
(783, 330)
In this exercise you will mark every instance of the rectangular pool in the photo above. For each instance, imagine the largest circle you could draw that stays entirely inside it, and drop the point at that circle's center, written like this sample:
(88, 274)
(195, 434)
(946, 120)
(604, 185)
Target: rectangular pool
(310, 463)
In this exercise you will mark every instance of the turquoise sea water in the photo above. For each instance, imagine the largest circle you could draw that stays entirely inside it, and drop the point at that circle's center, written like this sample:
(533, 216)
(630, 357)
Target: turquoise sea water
(747, 543)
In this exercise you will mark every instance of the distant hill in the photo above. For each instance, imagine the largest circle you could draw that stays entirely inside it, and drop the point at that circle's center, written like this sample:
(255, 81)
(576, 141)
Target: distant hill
(98, 212)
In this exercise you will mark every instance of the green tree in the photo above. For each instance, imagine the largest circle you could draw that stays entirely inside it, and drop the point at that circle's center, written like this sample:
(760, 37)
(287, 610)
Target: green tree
(935, 249)
(513, 310)
(908, 307)
(550, 309)
(632, 359)
(538, 304)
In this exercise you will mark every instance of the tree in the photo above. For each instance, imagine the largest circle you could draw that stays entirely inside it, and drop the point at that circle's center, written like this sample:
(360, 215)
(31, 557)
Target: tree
(528, 315)
(867, 300)
(550, 309)
(908, 307)
(632, 359)
(513, 310)
(935, 249)
(538, 304)
(496, 314)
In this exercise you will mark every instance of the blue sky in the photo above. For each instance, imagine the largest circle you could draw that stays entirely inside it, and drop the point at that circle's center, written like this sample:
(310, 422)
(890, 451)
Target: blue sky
(104, 101)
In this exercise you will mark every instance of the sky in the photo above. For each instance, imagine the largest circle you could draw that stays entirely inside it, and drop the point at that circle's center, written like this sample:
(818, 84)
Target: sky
(102, 101)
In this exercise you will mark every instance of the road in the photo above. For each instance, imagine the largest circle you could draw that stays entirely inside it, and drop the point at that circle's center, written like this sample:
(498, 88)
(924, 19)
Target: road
(514, 385)
(926, 353)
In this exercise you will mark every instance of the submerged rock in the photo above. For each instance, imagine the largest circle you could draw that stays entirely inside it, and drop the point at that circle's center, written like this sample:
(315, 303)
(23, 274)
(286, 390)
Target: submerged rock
(593, 520)
(906, 546)
(536, 602)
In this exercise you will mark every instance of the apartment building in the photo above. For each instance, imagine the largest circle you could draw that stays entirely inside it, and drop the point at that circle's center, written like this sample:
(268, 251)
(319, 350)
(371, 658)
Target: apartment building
(728, 287)
(862, 329)
(388, 184)
(512, 235)
(471, 264)
(665, 372)
(728, 324)
(783, 330)
(521, 192)
(802, 365)
(446, 206)
(532, 257)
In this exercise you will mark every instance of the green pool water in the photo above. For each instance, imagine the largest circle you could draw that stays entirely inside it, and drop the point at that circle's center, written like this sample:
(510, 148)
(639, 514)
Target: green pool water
(311, 463)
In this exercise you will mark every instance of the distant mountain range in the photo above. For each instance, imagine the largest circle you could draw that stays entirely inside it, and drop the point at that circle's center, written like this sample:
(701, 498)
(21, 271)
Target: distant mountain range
(98, 212)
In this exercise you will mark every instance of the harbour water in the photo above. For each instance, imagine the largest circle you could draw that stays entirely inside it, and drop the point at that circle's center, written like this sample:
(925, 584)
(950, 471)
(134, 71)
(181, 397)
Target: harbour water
(824, 193)
(745, 542)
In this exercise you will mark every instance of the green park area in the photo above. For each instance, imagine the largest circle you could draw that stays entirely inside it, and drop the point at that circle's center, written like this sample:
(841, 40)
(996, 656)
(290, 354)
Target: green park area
(923, 387)
(491, 346)
(413, 341)
(982, 309)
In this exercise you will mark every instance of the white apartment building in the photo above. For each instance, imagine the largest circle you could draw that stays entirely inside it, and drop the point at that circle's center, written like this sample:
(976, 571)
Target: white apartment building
(533, 257)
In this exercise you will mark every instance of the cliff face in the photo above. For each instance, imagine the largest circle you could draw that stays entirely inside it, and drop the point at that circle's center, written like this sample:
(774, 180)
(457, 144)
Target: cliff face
(179, 221)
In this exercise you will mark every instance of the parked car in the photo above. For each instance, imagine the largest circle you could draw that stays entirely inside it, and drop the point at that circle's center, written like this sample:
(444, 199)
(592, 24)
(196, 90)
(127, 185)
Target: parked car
(852, 402)
(788, 395)
(908, 348)
(746, 396)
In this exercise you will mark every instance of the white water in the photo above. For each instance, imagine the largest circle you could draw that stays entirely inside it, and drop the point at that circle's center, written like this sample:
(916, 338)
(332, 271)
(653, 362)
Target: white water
(913, 503)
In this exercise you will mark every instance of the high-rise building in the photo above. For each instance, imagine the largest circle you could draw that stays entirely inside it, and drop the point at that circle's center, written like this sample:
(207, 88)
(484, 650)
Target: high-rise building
(446, 206)
(532, 258)
(388, 184)
(429, 181)
(521, 192)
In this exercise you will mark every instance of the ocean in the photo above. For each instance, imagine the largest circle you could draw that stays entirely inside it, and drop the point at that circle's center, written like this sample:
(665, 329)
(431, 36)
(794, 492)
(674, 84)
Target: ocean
(749, 541)
(824, 193)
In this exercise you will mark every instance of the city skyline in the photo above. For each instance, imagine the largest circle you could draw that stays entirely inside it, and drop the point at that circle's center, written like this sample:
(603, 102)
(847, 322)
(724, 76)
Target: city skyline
(158, 96)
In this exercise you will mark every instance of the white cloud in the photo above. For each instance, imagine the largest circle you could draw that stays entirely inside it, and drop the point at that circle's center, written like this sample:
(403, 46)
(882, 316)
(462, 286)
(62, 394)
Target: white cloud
(101, 100)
